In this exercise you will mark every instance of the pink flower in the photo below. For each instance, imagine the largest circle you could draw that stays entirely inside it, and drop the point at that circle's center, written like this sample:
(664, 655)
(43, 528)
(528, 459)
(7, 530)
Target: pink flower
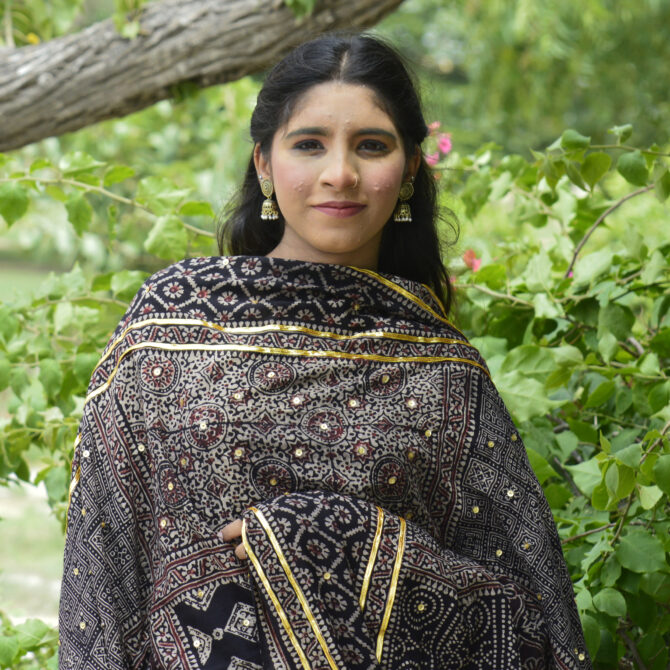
(434, 125)
(471, 260)
(432, 159)
(444, 143)
(571, 274)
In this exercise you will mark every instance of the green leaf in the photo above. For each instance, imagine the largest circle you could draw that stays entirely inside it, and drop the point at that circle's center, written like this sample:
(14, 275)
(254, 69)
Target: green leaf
(659, 396)
(32, 633)
(572, 140)
(51, 376)
(529, 359)
(649, 496)
(300, 7)
(591, 266)
(630, 456)
(607, 346)
(595, 167)
(167, 239)
(83, 366)
(662, 187)
(654, 268)
(40, 164)
(77, 162)
(79, 212)
(591, 634)
(610, 602)
(639, 551)
(160, 195)
(9, 650)
(197, 208)
(616, 319)
(622, 132)
(13, 202)
(660, 343)
(633, 168)
(117, 173)
(661, 473)
(586, 475)
(126, 283)
(601, 395)
(541, 467)
(525, 397)
(611, 572)
(5, 372)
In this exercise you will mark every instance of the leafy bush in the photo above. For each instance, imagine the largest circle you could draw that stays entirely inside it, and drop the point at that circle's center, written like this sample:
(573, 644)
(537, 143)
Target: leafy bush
(567, 299)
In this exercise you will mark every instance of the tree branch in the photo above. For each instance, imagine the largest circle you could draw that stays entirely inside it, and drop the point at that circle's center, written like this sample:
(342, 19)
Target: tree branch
(600, 219)
(73, 81)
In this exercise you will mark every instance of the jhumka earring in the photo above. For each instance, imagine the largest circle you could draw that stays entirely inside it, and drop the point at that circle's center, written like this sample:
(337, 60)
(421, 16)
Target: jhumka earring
(269, 209)
(403, 214)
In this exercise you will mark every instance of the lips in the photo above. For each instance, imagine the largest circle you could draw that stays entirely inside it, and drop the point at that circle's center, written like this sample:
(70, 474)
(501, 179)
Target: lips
(339, 208)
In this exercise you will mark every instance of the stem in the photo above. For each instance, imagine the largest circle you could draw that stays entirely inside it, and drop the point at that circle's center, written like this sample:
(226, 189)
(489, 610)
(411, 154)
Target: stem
(588, 532)
(108, 194)
(623, 518)
(632, 649)
(655, 443)
(599, 220)
(495, 294)
(627, 147)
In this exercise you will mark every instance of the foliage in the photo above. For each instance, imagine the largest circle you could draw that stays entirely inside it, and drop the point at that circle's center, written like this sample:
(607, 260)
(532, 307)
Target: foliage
(519, 72)
(577, 339)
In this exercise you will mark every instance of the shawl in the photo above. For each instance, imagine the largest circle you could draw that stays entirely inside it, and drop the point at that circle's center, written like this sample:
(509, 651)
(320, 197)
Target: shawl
(390, 512)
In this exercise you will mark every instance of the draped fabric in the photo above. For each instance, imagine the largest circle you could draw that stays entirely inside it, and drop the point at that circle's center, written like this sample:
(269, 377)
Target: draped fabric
(390, 513)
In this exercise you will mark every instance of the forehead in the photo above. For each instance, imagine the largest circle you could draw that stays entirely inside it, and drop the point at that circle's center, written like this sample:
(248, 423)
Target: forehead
(337, 102)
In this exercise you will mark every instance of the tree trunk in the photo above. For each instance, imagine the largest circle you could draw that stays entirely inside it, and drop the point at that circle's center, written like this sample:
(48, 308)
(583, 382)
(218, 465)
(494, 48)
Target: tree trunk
(77, 80)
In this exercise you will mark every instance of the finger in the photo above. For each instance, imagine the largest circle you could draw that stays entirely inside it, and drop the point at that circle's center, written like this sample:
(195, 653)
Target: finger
(231, 530)
(240, 552)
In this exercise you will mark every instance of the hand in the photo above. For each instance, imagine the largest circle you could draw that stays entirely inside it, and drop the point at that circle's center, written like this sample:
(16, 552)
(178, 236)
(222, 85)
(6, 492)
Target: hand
(231, 532)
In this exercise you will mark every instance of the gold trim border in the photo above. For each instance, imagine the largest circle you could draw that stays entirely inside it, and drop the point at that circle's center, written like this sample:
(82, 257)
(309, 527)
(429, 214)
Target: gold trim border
(167, 346)
(410, 296)
(373, 558)
(296, 587)
(392, 589)
(273, 597)
(269, 328)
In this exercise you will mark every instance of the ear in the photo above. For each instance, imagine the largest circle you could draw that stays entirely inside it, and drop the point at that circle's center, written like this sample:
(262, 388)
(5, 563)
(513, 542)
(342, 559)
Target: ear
(263, 167)
(413, 162)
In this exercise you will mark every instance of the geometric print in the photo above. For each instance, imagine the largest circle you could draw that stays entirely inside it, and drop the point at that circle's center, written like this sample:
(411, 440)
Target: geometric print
(231, 382)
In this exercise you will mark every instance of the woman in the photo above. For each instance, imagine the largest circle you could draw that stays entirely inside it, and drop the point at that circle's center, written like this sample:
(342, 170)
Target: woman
(309, 396)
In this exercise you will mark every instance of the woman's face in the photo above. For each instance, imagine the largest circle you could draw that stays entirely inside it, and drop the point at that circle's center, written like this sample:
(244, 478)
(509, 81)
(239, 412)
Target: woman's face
(337, 167)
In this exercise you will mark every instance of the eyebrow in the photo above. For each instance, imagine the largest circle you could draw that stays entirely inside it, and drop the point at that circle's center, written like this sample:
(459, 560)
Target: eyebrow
(322, 132)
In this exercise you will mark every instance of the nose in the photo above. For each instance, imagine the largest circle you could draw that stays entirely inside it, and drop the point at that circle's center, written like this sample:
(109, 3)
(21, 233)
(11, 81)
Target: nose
(340, 171)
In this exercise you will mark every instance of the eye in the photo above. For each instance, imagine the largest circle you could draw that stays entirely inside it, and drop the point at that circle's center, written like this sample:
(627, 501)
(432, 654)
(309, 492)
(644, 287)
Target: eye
(308, 145)
(373, 146)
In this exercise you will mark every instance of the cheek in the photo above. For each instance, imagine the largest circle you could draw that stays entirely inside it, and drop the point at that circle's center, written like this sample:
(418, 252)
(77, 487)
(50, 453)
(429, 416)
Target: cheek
(386, 182)
(289, 178)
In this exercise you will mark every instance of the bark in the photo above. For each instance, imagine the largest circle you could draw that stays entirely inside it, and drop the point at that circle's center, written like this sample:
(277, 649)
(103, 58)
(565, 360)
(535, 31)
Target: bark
(80, 79)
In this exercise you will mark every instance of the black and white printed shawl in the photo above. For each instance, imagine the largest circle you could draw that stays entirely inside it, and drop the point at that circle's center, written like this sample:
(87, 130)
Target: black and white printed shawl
(391, 516)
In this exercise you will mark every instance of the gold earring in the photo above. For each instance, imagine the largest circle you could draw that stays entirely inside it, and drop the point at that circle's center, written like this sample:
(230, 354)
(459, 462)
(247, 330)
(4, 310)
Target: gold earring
(269, 209)
(403, 213)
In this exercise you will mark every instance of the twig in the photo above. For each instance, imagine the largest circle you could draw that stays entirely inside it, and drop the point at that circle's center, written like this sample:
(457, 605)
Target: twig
(632, 649)
(588, 532)
(108, 194)
(599, 220)
(636, 345)
(626, 147)
(655, 443)
(623, 518)
(495, 294)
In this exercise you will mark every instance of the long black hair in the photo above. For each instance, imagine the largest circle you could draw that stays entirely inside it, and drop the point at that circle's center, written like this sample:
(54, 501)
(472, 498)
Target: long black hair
(410, 250)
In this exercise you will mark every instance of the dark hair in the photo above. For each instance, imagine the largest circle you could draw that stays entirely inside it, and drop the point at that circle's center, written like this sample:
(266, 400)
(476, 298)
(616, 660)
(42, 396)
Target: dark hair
(410, 250)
